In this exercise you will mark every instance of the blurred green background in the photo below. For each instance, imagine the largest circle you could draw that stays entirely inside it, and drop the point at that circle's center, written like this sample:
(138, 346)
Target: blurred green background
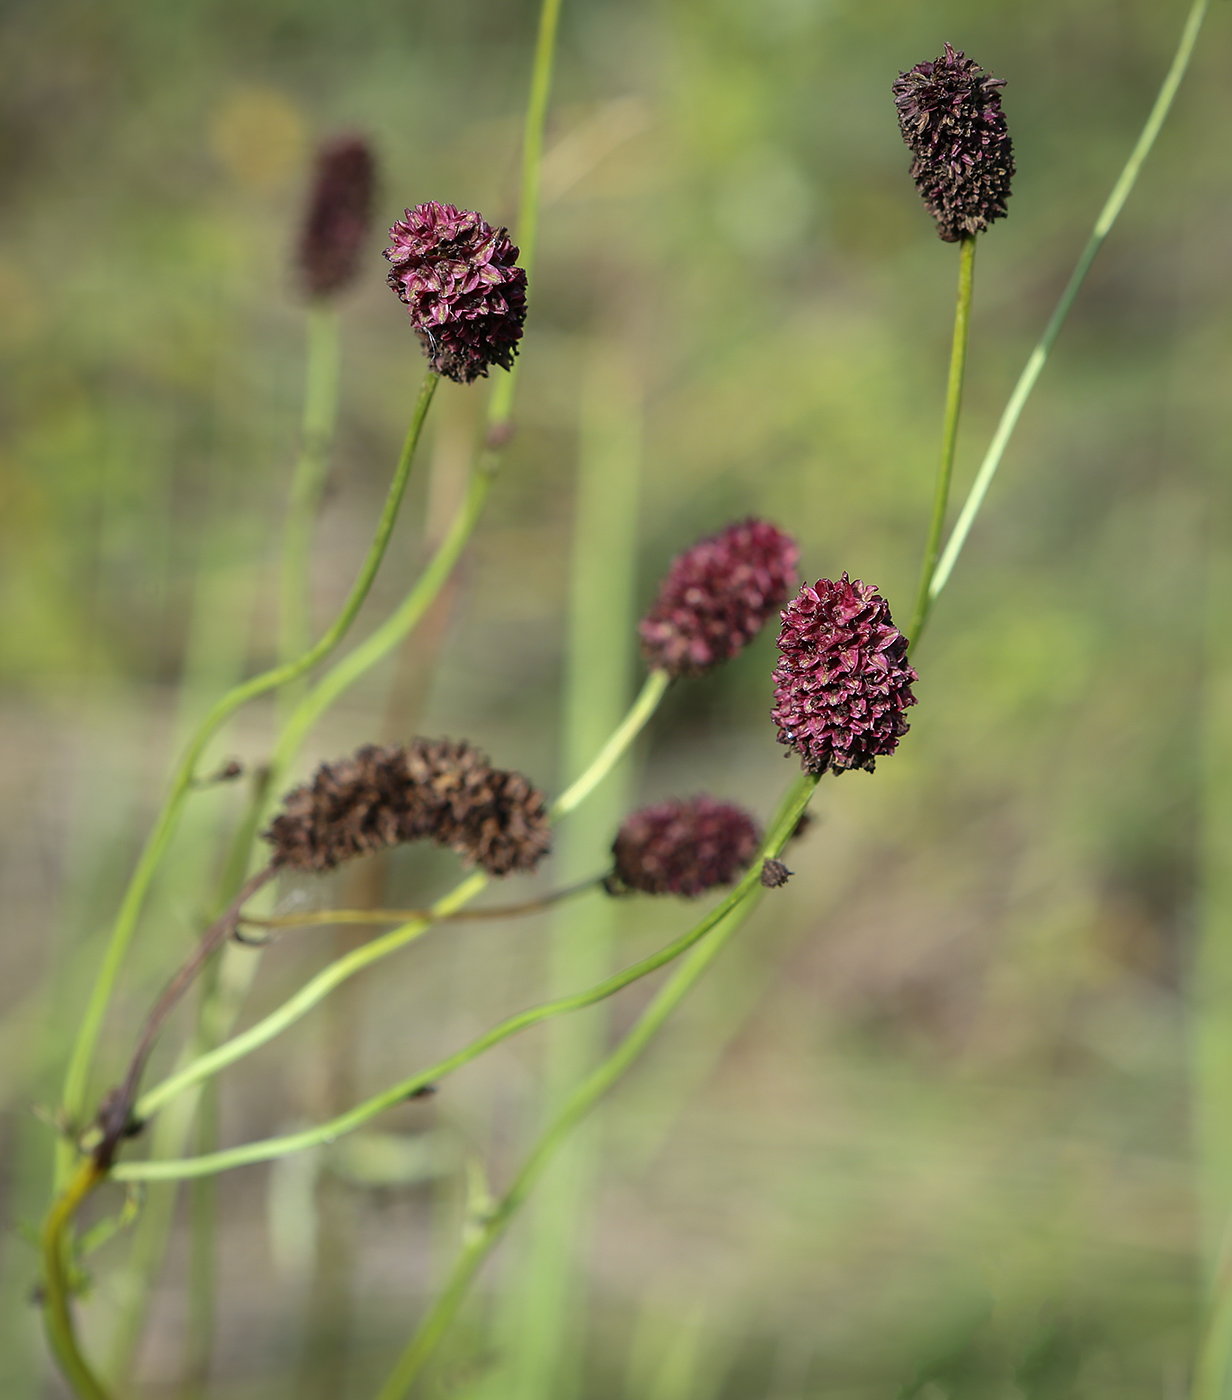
(926, 1130)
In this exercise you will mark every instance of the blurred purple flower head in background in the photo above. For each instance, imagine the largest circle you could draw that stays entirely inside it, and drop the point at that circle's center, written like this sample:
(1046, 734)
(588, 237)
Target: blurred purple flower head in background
(683, 847)
(717, 596)
(465, 295)
(842, 681)
(338, 215)
(949, 112)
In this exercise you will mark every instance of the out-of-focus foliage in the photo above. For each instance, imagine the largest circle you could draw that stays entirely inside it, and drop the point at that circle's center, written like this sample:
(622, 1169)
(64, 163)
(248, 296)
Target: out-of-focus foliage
(926, 1126)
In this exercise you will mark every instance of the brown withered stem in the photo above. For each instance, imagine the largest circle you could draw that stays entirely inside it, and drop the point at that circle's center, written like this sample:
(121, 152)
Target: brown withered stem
(313, 917)
(115, 1115)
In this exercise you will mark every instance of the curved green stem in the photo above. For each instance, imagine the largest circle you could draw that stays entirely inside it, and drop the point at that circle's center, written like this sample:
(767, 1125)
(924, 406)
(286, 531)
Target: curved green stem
(361, 1113)
(337, 972)
(639, 712)
(75, 1081)
(308, 482)
(949, 435)
(1038, 358)
(57, 1314)
(725, 919)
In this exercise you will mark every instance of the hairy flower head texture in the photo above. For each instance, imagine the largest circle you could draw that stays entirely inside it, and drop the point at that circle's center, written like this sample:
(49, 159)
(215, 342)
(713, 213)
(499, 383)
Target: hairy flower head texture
(338, 215)
(684, 847)
(465, 295)
(949, 112)
(717, 596)
(842, 681)
(431, 789)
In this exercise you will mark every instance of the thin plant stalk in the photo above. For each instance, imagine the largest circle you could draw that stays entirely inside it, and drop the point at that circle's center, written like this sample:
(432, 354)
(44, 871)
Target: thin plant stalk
(1039, 355)
(338, 971)
(539, 1323)
(76, 1077)
(721, 923)
(57, 1286)
(323, 1133)
(308, 482)
(949, 435)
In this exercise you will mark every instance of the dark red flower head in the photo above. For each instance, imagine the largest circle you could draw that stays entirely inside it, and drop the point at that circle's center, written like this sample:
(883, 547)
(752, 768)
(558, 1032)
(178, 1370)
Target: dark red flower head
(464, 293)
(684, 847)
(717, 596)
(338, 215)
(431, 789)
(842, 681)
(949, 112)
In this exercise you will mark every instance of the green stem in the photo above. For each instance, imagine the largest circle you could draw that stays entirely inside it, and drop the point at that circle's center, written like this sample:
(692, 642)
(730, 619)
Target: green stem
(1038, 358)
(337, 972)
(57, 1314)
(639, 712)
(949, 435)
(308, 482)
(593, 1088)
(76, 1077)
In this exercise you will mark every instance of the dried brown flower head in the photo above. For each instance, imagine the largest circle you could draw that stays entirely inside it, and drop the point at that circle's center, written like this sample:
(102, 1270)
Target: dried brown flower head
(431, 789)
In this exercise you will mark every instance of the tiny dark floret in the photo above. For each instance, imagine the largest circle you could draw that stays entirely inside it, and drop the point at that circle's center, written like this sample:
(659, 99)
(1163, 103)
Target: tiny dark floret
(463, 290)
(842, 681)
(338, 215)
(684, 847)
(774, 874)
(949, 112)
(717, 596)
(431, 789)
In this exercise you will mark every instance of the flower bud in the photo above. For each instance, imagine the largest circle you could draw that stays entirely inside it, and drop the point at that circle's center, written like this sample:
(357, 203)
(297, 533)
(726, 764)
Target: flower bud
(949, 112)
(462, 289)
(338, 215)
(684, 847)
(842, 681)
(717, 596)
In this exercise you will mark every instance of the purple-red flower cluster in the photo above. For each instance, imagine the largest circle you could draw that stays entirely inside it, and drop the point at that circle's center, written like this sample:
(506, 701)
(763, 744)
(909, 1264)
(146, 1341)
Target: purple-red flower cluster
(684, 847)
(463, 290)
(949, 112)
(842, 681)
(717, 596)
(338, 215)
(432, 789)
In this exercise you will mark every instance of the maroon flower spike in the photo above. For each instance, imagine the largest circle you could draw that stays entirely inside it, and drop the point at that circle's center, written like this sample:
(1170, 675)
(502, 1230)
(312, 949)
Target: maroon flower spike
(683, 847)
(949, 112)
(717, 596)
(465, 295)
(338, 216)
(842, 682)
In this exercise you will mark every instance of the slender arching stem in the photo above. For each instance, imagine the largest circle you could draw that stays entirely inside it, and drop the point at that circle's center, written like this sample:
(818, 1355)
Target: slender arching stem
(721, 923)
(75, 1082)
(1039, 356)
(347, 966)
(57, 1290)
(949, 434)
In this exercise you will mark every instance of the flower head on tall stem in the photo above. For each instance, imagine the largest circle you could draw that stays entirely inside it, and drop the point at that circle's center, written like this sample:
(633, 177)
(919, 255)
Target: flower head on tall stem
(463, 290)
(338, 215)
(683, 847)
(949, 112)
(717, 596)
(842, 681)
(431, 789)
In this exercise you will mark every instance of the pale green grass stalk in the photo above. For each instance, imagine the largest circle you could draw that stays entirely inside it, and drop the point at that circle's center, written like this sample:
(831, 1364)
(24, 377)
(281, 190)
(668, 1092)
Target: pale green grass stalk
(541, 1316)
(949, 435)
(721, 923)
(1039, 356)
(77, 1075)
